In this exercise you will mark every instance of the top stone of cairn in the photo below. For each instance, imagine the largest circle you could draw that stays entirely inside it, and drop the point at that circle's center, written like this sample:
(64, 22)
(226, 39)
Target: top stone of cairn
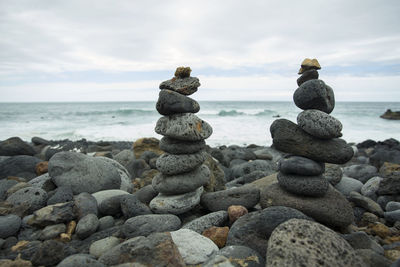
(182, 83)
(309, 64)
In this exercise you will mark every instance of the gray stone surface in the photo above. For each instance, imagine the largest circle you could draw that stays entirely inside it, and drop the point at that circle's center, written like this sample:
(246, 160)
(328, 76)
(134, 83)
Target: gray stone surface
(144, 225)
(181, 183)
(19, 166)
(319, 124)
(247, 196)
(101, 246)
(14, 146)
(176, 146)
(360, 240)
(106, 222)
(87, 226)
(52, 231)
(392, 216)
(146, 194)
(218, 261)
(240, 256)
(35, 198)
(392, 206)
(80, 260)
(307, 75)
(370, 188)
(84, 204)
(103, 195)
(49, 253)
(347, 184)
(217, 218)
(304, 243)
(83, 173)
(361, 172)
(251, 166)
(44, 182)
(124, 157)
(315, 186)
(125, 177)
(290, 138)
(170, 164)
(184, 86)
(62, 194)
(4, 186)
(9, 225)
(371, 258)
(315, 94)
(176, 204)
(170, 102)
(131, 206)
(53, 214)
(301, 166)
(365, 203)
(333, 209)
(333, 173)
(254, 229)
(185, 126)
(194, 248)
(389, 186)
(111, 206)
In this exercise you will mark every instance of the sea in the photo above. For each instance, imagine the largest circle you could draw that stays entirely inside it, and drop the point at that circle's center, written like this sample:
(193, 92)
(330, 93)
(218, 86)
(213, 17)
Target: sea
(234, 123)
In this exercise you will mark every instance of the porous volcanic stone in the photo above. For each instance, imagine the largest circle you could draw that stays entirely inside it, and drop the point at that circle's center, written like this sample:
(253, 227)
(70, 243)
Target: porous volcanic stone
(170, 102)
(315, 94)
(315, 186)
(300, 166)
(35, 198)
(319, 124)
(170, 164)
(176, 146)
(184, 86)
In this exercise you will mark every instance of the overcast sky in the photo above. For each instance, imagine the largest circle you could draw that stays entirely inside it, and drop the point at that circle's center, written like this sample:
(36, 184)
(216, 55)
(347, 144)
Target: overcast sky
(75, 50)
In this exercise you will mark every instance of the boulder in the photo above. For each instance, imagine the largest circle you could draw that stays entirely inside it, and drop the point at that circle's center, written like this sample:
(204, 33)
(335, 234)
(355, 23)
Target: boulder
(20, 166)
(14, 146)
(361, 172)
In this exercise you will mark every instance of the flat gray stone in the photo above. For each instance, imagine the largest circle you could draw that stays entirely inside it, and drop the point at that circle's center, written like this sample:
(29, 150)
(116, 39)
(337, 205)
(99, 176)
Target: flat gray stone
(361, 172)
(300, 166)
(44, 182)
(319, 124)
(9, 225)
(170, 164)
(101, 246)
(392, 206)
(365, 203)
(185, 126)
(315, 94)
(170, 102)
(217, 218)
(80, 260)
(314, 186)
(181, 183)
(347, 184)
(103, 195)
(52, 231)
(370, 188)
(176, 146)
(4, 186)
(144, 225)
(360, 240)
(184, 86)
(251, 166)
(392, 216)
(300, 242)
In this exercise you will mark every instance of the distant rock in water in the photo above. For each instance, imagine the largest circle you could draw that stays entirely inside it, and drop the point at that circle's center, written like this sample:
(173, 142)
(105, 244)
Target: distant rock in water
(391, 115)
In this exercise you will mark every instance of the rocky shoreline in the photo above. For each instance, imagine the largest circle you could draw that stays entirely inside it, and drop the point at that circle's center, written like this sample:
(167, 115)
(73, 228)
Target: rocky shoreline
(86, 203)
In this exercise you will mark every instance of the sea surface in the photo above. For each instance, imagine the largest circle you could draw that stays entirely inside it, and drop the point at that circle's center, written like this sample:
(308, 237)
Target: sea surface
(240, 123)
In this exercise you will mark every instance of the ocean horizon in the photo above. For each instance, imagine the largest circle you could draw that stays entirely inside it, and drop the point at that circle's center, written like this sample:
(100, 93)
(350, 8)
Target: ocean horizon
(233, 122)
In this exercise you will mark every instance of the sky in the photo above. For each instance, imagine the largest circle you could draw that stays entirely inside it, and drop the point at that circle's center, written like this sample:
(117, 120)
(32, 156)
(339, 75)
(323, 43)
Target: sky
(75, 50)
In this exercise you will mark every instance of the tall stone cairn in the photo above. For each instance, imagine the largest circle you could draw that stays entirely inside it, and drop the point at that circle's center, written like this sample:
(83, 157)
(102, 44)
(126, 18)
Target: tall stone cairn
(311, 143)
(182, 172)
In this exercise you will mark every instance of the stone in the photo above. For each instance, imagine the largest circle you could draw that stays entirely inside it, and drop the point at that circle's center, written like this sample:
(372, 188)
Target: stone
(148, 156)
(146, 194)
(370, 188)
(371, 258)
(182, 72)
(218, 261)
(217, 234)
(85, 204)
(101, 246)
(124, 157)
(217, 175)
(52, 231)
(300, 166)
(53, 214)
(251, 166)
(254, 229)
(176, 204)
(319, 124)
(347, 185)
(307, 75)
(392, 216)
(314, 186)
(309, 64)
(106, 222)
(360, 240)
(181, 183)
(157, 249)
(389, 186)
(170, 164)
(185, 126)
(4, 186)
(17, 187)
(266, 181)
(80, 260)
(49, 253)
(42, 167)
(19, 166)
(137, 167)
(235, 212)
(288, 137)
(315, 94)
(242, 256)
(87, 226)
(9, 225)
(126, 183)
(332, 209)
(217, 218)
(379, 229)
(392, 254)
(144, 225)
(44, 182)
(131, 206)
(366, 203)
(146, 144)
(247, 196)
(14, 146)
(380, 156)
(34, 198)
(361, 172)
(83, 173)
(194, 248)
(111, 206)
(390, 115)
(184, 86)
(300, 242)
(177, 147)
(103, 195)
(392, 206)
(389, 169)
(333, 173)
(62, 194)
(170, 102)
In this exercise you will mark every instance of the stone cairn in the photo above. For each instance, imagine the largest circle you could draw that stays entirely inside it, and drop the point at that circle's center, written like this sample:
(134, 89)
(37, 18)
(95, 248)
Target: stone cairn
(314, 141)
(182, 172)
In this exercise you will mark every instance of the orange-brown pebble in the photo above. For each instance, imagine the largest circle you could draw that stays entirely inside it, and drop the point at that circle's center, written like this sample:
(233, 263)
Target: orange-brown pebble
(235, 212)
(380, 230)
(66, 237)
(42, 167)
(20, 245)
(392, 254)
(217, 234)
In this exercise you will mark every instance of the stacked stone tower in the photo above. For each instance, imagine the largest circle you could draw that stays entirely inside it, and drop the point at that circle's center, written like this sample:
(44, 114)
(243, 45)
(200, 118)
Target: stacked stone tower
(182, 173)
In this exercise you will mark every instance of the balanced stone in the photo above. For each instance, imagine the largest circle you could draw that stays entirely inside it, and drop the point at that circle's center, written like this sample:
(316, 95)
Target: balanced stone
(185, 126)
(315, 186)
(300, 166)
(184, 86)
(307, 75)
(315, 94)
(170, 164)
(181, 183)
(143, 225)
(170, 102)
(309, 64)
(177, 147)
(319, 124)
(290, 138)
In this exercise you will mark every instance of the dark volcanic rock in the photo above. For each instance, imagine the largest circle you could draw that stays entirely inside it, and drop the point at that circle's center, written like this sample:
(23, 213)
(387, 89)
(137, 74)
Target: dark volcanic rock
(146, 194)
(131, 206)
(389, 186)
(49, 253)
(170, 164)
(170, 102)
(87, 226)
(288, 137)
(19, 166)
(315, 186)
(80, 260)
(85, 204)
(315, 94)
(251, 166)
(319, 124)
(144, 225)
(184, 86)
(176, 146)
(14, 146)
(34, 198)
(9, 225)
(300, 166)
(240, 256)
(307, 75)
(62, 194)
